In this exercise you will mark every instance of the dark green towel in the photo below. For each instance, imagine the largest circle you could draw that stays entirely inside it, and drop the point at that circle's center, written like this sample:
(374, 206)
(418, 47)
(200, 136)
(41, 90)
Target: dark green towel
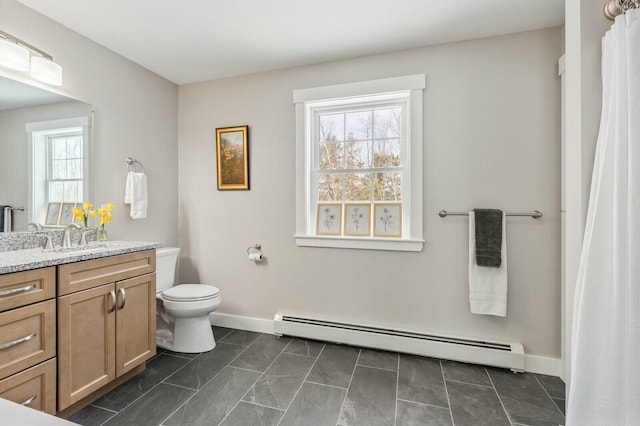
(488, 237)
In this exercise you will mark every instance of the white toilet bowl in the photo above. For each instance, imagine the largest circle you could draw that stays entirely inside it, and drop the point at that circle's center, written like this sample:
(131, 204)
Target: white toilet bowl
(183, 310)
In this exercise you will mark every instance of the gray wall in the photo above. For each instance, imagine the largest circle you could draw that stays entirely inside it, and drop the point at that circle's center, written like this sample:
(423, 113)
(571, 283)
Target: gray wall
(135, 115)
(492, 139)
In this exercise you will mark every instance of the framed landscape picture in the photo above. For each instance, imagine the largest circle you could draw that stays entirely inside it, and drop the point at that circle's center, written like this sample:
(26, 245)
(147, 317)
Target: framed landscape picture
(232, 154)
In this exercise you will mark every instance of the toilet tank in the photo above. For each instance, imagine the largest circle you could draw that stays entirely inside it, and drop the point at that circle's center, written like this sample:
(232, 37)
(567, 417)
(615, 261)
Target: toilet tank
(166, 259)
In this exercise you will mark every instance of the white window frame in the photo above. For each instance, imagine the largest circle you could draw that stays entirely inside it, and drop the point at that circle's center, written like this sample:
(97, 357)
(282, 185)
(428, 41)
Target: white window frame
(38, 134)
(307, 101)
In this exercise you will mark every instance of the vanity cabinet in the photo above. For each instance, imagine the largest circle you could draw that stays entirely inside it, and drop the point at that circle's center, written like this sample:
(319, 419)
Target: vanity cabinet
(106, 321)
(28, 338)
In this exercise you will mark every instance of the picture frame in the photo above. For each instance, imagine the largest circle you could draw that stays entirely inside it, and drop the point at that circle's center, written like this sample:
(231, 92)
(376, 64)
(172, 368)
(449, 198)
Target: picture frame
(357, 219)
(232, 158)
(66, 214)
(53, 213)
(329, 219)
(388, 220)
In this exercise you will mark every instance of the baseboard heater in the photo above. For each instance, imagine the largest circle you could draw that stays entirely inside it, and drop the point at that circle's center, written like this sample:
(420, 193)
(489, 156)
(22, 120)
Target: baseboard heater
(497, 354)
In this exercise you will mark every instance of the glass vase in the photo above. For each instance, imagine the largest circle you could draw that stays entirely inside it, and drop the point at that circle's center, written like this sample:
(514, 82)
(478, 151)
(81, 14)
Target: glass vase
(101, 234)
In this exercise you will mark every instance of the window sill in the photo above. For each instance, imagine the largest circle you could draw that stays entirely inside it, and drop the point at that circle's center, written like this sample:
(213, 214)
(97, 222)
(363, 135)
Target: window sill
(362, 243)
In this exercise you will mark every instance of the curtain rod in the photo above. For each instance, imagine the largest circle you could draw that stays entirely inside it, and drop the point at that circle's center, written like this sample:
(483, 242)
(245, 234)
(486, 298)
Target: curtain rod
(613, 8)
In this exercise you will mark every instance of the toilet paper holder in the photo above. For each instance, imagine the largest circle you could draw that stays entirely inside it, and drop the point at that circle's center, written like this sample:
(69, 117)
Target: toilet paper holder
(255, 253)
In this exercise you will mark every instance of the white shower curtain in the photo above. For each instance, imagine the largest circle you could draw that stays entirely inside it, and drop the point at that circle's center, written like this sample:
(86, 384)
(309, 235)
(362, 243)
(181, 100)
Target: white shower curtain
(605, 376)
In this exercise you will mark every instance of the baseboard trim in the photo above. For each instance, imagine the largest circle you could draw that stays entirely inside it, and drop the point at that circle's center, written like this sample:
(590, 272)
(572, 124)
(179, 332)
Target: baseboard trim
(542, 365)
(258, 325)
(533, 363)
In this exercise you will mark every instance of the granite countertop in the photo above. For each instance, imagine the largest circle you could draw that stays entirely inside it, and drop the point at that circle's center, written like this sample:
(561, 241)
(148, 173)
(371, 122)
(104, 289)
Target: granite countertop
(23, 260)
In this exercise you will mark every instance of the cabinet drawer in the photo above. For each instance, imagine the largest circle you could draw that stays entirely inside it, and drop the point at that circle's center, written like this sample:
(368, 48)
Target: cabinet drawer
(27, 337)
(87, 274)
(34, 387)
(23, 288)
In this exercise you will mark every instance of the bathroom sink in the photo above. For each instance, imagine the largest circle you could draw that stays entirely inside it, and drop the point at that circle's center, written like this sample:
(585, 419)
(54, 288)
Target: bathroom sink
(77, 249)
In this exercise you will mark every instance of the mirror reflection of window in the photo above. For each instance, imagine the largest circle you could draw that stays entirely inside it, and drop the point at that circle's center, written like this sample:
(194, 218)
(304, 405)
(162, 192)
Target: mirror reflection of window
(59, 165)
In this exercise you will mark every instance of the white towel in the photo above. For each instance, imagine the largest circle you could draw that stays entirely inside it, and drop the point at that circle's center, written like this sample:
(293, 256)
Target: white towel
(135, 193)
(487, 286)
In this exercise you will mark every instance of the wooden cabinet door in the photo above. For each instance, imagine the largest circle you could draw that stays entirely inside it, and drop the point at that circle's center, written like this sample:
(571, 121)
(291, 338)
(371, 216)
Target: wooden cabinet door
(135, 322)
(86, 339)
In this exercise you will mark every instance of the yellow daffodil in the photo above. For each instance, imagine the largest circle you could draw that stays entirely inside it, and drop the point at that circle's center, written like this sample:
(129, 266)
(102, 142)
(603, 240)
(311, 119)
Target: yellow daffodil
(82, 215)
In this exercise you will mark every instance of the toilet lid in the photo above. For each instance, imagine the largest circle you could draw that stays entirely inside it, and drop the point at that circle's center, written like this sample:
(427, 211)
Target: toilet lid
(190, 292)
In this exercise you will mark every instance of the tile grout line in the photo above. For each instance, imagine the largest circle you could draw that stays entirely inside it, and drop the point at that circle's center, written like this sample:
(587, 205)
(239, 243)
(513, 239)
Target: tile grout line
(377, 368)
(255, 381)
(262, 405)
(500, 399)
(245, 369)
(468, 383)
(349, 385)
(181, 387)
(102, 408)
(446, 392)
(322, 384)
(421, 403)
(302, 384)
(395, 415)
(150, 389)
(207, 382)
(549, 395)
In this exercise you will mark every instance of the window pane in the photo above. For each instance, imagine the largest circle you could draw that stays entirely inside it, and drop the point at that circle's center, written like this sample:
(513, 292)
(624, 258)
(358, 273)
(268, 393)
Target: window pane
(56, 192)
(331, 127)
(74, 147)
(358, 125)
(387, 122)
(59, 169)
(386, 153)
(330, 187)
(358, 154)
(70, 191)
(387, 186)
(331, 156)
(358, 186)
(59, 148)
(74, 169)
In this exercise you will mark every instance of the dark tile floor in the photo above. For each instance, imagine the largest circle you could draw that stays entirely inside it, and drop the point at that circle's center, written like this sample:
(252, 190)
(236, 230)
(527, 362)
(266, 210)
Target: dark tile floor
(258, 379)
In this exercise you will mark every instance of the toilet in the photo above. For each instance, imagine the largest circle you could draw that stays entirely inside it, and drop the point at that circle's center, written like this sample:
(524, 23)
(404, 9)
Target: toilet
(182, 310)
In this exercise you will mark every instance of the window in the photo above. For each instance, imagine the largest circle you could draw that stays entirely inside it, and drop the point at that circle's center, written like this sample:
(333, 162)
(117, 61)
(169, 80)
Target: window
(359, 165)
(65, 157)
(59, 167)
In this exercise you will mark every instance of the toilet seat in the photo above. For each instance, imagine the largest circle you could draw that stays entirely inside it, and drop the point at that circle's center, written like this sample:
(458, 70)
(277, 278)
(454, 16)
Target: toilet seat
(190, 293)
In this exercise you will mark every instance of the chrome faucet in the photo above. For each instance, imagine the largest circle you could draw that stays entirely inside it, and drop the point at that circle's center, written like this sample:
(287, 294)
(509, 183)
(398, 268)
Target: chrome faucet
(48, 243)
(35, 225)
(66, 237)
(83, 239)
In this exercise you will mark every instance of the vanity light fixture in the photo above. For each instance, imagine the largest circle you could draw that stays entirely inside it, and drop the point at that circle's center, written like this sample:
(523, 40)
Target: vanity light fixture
(21, 56)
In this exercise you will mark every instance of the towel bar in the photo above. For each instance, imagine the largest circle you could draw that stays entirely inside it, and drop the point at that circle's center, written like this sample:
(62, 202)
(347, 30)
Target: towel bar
(131, 161)
(536, 214)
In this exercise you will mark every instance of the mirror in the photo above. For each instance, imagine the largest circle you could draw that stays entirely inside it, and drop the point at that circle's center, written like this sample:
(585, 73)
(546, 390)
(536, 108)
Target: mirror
(22, 103)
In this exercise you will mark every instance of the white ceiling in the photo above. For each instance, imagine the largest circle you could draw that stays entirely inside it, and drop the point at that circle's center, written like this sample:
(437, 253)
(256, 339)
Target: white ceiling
(195, 40)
